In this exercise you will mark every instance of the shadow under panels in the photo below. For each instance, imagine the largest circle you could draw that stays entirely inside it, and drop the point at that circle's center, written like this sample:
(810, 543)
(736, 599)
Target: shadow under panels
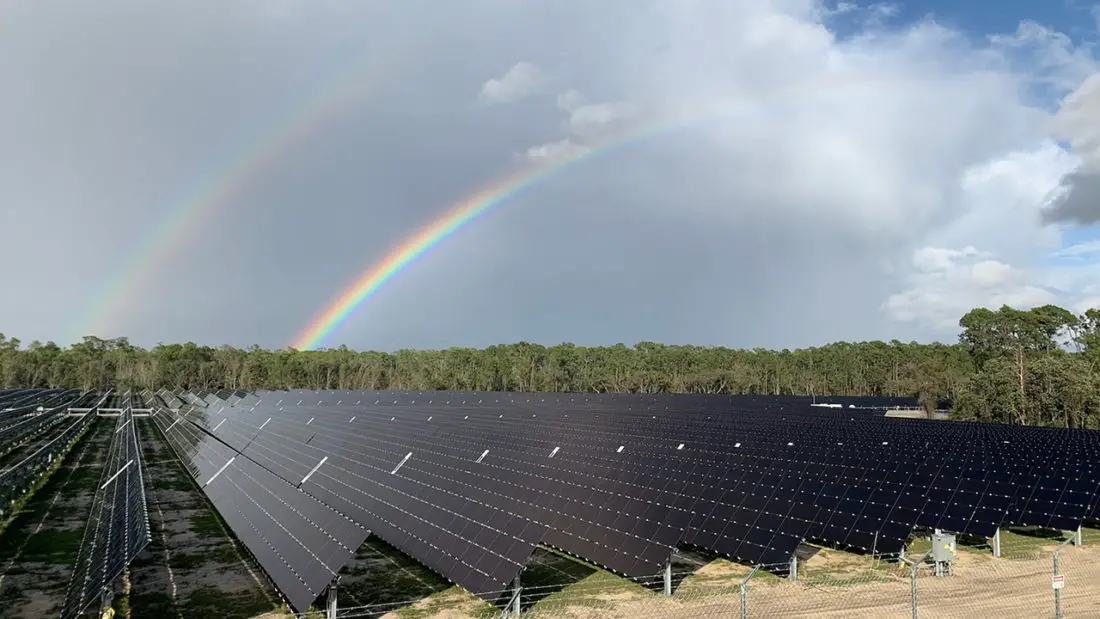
(300, 542)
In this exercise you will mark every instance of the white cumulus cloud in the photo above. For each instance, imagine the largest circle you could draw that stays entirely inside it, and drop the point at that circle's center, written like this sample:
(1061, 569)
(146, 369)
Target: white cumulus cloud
(585, 123)
(550, 152)
(957, 281)
(519, 82)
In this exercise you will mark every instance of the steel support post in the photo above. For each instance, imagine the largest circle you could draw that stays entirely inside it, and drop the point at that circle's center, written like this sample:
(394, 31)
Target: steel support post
(792, 575)
(516, 599)
(1077, 541)
(330, 601)
(997, 543)
(668, 578)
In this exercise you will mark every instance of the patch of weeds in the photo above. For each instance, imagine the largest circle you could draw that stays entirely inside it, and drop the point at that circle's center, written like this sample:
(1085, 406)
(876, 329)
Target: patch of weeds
(187, 560)
(85, 477)
(213, 603)
(10, 595)
(206, 524)
(152, 606)
(223, 553)
(53, 546)
(121, 604)
(174, 483)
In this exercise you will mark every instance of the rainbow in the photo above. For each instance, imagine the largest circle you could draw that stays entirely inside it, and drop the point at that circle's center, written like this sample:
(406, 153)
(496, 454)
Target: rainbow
(484, 200)
(457, 217)
(238, 171)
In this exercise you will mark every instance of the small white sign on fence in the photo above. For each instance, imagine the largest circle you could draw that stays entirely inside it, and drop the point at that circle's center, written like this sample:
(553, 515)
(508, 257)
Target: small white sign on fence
(1058, 581)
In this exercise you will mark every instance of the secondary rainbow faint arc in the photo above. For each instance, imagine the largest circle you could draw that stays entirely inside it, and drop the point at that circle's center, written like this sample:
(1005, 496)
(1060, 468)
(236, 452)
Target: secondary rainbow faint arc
(239, 171)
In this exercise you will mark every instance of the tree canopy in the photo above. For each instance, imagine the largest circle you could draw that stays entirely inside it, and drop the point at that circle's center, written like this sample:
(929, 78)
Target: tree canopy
(1037, 366)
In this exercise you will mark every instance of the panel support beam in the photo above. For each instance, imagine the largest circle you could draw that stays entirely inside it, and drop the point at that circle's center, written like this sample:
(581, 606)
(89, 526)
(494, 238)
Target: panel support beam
(1077, 540)
(997, 543)
(668, 577)
(792, 575)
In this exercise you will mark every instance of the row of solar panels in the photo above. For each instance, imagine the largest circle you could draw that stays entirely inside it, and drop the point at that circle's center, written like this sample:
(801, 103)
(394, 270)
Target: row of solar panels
(470, 486)
(118, 521)
(647, 401)
(30, 414)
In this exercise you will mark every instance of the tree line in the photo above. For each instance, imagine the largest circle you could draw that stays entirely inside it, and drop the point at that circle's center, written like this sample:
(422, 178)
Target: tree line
(1037, 366)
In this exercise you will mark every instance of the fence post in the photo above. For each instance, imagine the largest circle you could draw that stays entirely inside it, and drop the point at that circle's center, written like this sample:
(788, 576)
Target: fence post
(744, 582)
(1058, 589)
(913, 565)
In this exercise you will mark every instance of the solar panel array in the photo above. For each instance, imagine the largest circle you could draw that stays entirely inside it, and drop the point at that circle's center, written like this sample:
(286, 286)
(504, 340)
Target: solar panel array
(16, 477)
(300, 542)
(470, 483)
(118, 525)
(25, 413)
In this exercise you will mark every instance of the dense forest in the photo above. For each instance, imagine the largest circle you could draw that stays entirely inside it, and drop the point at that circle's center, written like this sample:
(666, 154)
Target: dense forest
(1038, 366)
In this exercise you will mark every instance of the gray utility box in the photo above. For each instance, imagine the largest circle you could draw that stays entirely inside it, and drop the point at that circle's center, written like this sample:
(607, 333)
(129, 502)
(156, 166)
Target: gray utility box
(943, 548)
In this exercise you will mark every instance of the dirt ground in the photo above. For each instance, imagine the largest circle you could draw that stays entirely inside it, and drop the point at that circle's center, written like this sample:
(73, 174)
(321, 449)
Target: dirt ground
(192, 567)
(38, 549)
(832, 585)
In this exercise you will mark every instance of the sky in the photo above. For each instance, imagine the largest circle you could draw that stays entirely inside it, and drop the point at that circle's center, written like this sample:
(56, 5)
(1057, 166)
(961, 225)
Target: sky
(794, 172)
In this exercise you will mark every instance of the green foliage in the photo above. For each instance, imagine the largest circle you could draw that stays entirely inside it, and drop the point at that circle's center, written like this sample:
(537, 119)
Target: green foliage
(1010, 365)
(1023, 373)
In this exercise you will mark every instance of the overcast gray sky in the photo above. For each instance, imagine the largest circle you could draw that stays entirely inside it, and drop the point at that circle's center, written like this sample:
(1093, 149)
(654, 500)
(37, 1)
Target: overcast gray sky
(835, 174)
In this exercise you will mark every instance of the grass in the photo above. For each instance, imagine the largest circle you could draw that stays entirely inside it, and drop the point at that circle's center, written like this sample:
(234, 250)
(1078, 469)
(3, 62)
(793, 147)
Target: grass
(213, 602)
(11, 595)
(382, 575)
(151, 605)
(121, 604)
(206, 524)
(53, 546)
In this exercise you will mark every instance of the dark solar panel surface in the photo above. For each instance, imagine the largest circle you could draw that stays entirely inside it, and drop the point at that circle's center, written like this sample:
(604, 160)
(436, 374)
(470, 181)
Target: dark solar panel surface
(469, 483)
(300, 542)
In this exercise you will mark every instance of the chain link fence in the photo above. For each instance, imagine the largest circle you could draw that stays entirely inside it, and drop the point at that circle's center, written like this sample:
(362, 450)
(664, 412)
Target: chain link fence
(827, 584)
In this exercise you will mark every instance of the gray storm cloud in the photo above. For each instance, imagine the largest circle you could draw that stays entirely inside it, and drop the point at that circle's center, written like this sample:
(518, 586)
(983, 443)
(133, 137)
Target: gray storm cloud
(772, 225)
(1078, 122)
